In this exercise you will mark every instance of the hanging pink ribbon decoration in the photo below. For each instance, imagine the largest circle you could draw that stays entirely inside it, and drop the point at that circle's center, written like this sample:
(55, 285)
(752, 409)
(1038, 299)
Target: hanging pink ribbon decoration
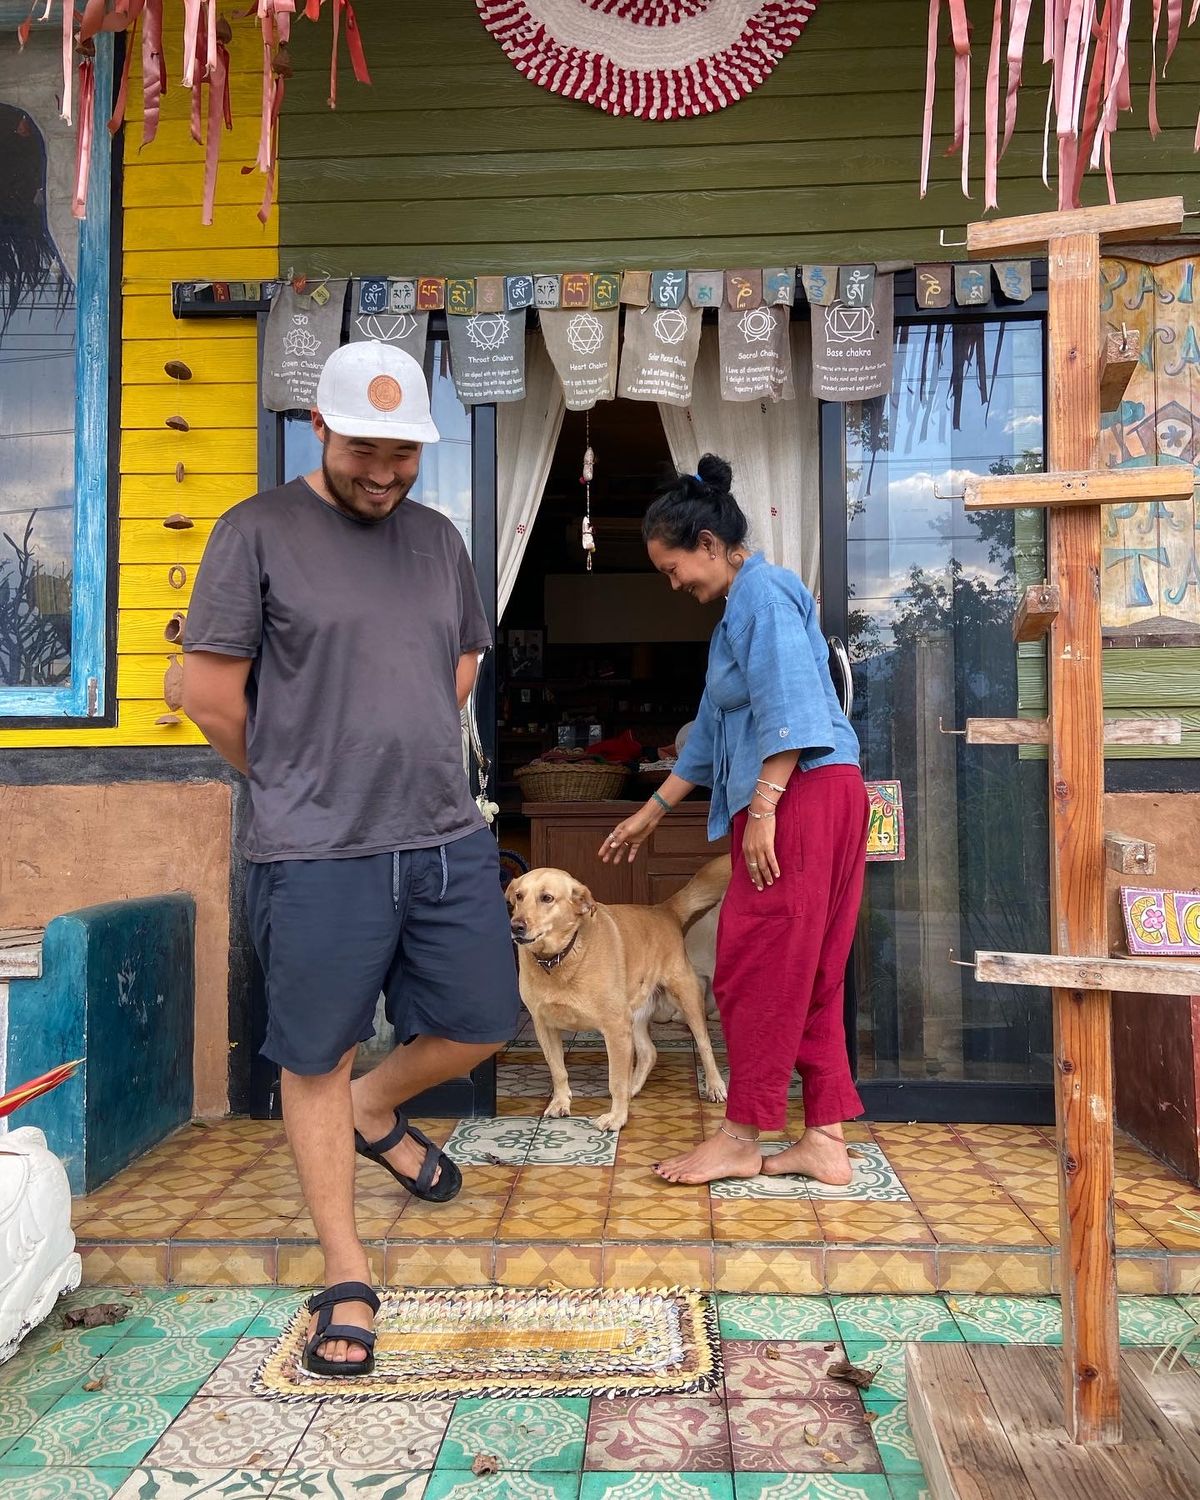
(930, 90)
(991, 110)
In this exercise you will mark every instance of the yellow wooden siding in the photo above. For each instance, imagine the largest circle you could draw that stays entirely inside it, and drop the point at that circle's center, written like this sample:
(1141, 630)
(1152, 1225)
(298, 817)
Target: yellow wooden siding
(164, 240)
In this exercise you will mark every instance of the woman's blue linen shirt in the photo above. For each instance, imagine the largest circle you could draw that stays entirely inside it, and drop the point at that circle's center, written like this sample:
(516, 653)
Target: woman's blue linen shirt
(768, 689)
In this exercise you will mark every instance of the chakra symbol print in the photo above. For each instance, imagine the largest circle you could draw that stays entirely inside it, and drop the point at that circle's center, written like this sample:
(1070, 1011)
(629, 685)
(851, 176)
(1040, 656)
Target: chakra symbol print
(670, 327)
(584, 334)
(488, 331)
(849, 324)
(757, 325)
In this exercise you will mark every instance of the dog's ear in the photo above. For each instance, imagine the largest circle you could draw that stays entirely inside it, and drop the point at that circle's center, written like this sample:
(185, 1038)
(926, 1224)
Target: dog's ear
(581, 900)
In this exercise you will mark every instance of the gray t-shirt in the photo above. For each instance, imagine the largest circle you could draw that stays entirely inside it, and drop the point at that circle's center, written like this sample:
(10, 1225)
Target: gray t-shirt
(353, 734)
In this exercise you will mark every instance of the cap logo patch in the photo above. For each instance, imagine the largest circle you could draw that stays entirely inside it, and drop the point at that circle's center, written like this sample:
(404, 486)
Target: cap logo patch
(384, 393)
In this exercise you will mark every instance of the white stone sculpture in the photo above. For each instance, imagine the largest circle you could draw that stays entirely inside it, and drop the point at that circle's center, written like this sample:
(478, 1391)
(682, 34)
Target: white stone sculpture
(38, 1260)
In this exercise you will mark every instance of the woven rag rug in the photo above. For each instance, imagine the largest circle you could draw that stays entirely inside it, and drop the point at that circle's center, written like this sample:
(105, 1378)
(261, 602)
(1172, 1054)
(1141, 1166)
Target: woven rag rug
(656, 59)
(501, 1341)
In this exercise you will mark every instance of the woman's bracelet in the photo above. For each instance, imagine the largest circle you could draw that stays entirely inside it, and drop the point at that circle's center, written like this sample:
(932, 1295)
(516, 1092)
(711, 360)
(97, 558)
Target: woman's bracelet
(771, 785)
(761, 817)
(662, 801)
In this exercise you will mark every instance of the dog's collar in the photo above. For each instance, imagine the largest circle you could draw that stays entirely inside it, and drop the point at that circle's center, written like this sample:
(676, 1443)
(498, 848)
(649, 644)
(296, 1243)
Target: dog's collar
(553, 963)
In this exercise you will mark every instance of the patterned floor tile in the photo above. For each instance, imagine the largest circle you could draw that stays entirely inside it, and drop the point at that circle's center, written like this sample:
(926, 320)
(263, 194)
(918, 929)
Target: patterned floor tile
(1151, 1320)
(811, 1487)
(1008, 1320)
(887, 1360)
(893, 1437)
(574, 1142)
(782, 1370)
(630, 1265)
(235, 1432)
(96, 1431)
(451, 1484)
(909, 1487)
(349, 1484)
(61, 1484)
(693, 1486)
(244, 1264)
(798, 1437)
(541, 1434)
(897, 1319)
(233, 1376)
(186, 1483)
(18, 1412)
(579, 1266)
(808, 1318)
(788, 1221)
(374, 1436)
(882, 1270)
(800, 1272)
(215, 1312)
(873, 1223)
(276, 1313)
(874, 1181)
(998, 1272)
(50, 1362)
(654, 1433)
(495, 1142)
(160, 1367)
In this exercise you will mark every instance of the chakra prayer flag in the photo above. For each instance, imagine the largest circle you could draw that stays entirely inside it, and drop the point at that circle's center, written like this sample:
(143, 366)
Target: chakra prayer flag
(658, 357)
(606, 290)
(1015, 279)
(583, 346)
(668, 288)
(934, 286)
(743, 288)
(460, 295)
(577, 289)
(371, 294)
(431, 294)
(635, 288)
(705, 288)
(852, 347)
(407, 331)
(300, 336)
(755, 354)
(402, 295)
(547, 290)
(856, 285)
(518, 292)
(779, 286)
(489, 294)
(972, 285)
(487, 356)
(820, 284)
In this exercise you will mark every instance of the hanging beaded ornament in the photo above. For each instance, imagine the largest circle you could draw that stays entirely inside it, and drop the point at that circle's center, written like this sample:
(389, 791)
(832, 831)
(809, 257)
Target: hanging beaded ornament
(589, 466)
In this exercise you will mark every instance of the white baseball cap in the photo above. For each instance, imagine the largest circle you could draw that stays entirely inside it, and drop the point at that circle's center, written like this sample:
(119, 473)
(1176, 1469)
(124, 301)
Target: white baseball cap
(374, 390)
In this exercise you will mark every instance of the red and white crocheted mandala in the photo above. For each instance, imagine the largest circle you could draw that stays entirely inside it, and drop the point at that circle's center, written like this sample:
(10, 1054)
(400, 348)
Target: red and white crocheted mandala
(656, 59)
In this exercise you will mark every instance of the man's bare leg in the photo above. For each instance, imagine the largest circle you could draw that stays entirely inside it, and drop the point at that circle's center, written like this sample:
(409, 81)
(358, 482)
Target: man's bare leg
(320, 1131)
(404, 1073)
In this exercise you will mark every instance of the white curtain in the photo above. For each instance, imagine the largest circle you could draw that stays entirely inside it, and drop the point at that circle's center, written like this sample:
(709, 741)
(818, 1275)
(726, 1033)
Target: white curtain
(526, 435)
(773, 448)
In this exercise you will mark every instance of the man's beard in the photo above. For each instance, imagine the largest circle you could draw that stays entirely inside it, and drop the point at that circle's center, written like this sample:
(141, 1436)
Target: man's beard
(344, 497)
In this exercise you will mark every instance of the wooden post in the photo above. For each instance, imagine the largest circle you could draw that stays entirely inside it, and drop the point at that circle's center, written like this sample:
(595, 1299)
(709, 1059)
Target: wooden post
(1082, 1018)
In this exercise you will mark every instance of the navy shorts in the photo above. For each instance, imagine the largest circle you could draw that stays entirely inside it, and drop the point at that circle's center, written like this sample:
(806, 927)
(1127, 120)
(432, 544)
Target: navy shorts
(426, 927)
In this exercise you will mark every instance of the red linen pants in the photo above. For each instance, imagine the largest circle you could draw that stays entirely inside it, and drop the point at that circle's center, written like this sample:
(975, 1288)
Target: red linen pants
(782, 951)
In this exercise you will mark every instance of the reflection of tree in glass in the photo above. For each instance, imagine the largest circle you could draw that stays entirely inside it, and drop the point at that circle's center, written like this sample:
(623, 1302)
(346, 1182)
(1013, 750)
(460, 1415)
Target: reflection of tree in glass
(28, 254)
(35, 617)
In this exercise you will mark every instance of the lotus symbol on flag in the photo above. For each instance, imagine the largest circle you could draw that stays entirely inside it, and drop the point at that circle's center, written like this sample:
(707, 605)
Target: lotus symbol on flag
(488, 330)
(584, 334)
(757, 324)
(670, 327)
(846, 325)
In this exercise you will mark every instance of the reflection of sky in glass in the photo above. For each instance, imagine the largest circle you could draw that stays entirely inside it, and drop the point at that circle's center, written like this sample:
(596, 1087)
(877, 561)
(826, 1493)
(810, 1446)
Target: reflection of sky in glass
(444, 483)
(37, 431)
(896, 521)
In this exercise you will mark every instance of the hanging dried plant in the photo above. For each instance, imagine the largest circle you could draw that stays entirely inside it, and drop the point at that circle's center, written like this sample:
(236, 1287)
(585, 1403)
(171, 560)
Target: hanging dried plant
(204, 68)
(1085, 44)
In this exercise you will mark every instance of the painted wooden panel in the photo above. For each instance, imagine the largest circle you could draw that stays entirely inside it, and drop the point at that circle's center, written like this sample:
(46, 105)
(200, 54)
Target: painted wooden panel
(141, 675)
(154, 270)
(1165, 678)
(149, 316)
(157, 495)
(145, 586)
(213, 361)
(152, 542)
(140, 632)
(211, 450)
(226, 406)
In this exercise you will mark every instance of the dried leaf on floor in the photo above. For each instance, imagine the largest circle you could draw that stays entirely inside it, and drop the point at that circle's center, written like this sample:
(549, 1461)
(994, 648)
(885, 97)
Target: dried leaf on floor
(812, 1435)
(771, 1352)
(94, 1385)
(96, 1315)
(852, 1374)
(485, 1463)
(831, 1457)
(870, 1416)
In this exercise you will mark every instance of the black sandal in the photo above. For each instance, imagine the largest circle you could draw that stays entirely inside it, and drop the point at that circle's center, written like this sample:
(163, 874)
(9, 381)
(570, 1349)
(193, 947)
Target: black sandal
(323, 1303)
(422, 1185)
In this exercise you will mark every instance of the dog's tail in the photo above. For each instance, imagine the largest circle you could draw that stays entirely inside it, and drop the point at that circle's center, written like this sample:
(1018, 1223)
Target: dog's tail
(701, 893)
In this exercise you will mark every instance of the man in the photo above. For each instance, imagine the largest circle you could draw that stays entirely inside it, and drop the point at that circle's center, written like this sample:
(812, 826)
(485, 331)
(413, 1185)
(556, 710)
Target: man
(332, 639)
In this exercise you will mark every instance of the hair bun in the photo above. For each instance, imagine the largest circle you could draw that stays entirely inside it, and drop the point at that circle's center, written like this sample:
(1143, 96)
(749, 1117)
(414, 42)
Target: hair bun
(715, 471)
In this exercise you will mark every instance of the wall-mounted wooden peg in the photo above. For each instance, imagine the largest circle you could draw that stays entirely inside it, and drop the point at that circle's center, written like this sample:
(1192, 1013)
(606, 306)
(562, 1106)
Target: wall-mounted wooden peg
(168, 719)
(180, 471)
(177, 370)
(173, 684)
(1130, 856)
(1037, 612)
(177, 521)
(173, 631)
(179, 424)
(1119, 359)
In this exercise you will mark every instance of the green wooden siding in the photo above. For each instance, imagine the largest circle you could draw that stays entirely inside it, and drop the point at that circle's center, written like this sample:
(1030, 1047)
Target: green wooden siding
(451, 163)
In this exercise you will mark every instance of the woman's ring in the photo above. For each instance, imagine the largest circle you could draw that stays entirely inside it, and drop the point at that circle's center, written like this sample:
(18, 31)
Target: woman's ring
(613, 841)
(753, 863)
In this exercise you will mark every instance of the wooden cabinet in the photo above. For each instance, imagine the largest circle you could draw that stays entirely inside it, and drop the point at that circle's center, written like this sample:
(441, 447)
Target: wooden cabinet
(566, 836)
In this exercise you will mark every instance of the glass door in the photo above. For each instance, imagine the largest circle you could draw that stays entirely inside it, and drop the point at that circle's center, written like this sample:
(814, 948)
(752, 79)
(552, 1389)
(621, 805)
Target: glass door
(930, 596)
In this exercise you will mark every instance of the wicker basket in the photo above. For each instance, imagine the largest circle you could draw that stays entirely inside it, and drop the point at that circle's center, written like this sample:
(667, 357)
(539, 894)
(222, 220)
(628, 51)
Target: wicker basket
(571, 781)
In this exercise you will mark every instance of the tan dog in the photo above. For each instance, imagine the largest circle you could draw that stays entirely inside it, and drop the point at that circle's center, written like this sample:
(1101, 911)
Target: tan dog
(585, 965)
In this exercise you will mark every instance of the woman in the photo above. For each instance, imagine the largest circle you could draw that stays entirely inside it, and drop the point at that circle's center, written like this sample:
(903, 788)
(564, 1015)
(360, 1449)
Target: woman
(771, 741)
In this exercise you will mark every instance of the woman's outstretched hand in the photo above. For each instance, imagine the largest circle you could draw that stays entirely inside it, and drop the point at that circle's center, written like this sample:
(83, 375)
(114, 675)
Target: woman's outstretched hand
(758, 850)
(628, 837)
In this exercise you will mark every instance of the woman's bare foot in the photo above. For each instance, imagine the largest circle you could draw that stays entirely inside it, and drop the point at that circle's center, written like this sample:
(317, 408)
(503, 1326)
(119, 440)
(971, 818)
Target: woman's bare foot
(722, 1155)
(820, 1153)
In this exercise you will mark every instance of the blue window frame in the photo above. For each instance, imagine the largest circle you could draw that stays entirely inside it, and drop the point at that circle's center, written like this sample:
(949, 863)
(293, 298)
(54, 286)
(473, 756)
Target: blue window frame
(57, 596)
